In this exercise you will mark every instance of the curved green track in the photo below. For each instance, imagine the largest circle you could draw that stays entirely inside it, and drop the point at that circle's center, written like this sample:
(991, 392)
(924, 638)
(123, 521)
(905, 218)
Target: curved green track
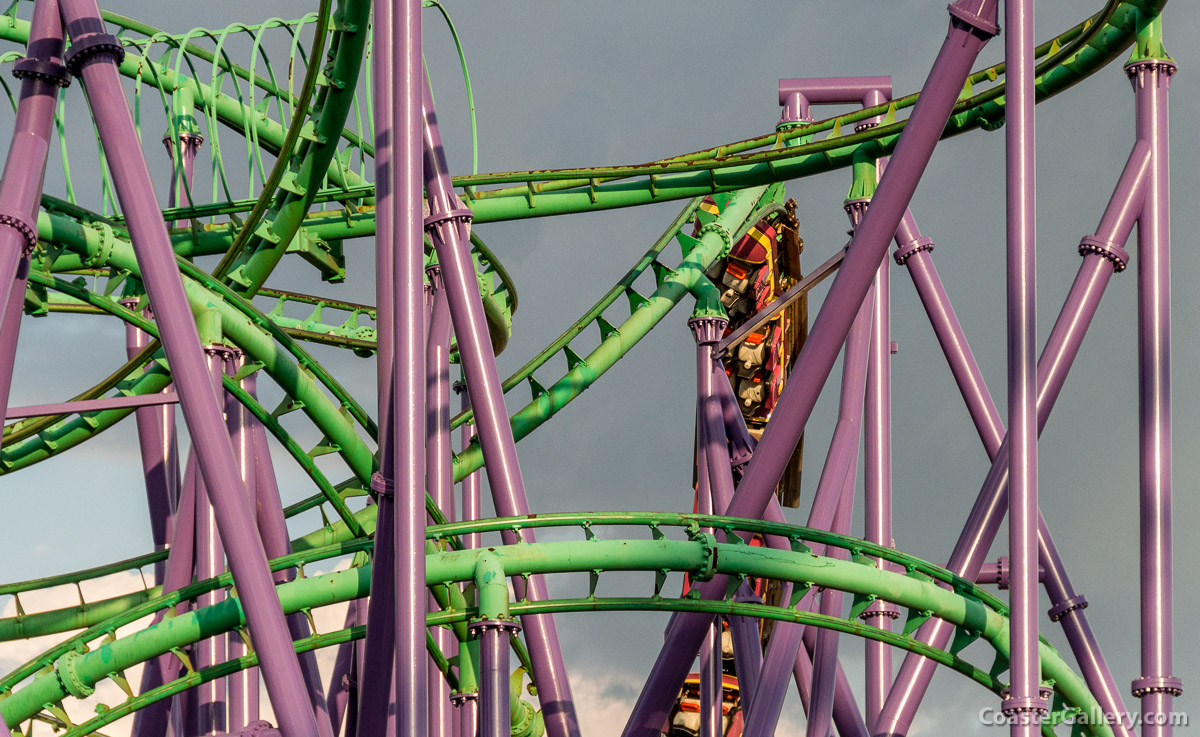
(306, 135)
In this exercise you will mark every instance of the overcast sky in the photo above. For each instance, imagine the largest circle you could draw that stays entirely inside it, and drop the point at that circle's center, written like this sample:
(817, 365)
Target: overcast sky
(566, 84)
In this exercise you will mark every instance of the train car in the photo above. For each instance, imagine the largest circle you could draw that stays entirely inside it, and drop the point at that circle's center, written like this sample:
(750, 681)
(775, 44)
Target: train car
(685, 716)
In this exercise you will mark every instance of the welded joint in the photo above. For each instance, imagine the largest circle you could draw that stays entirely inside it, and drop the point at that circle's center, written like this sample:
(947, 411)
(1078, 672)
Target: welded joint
(99, 255)
(187, 139)
(22, 226)
(67, 671)
(880, 609)
(1157, 684)
(464, 214)
(1161, 69)
(708, 544)
(45, 70)
(722, 232)
(1018, 706)
(1066, 606)
(856, 209)
(220, 350)
(1109, 250)
(89, 45)
(383, 487)
(491, 591)
(259, 728)
(913, 247)
(707, 329)
(975, 23)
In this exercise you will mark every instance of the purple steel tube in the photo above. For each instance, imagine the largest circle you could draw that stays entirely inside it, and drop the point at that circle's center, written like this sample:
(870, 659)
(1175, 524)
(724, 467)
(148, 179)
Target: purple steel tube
(447, 228)
(439, 471)
(97, 65)
(747, 647)
(10, 327)
(972, 24)
(272, 526)
(912, 251)
(711, 682)
(1156, 686)
(840, 464)
(1102, 255)
(706, 331)
(92, 405)
(877, 507)
(160, 459)
(470, 486)
(409, 682)
(821, 700)
(152, 721)
(494, 711)
(375, 667)
(337, 695)
(210, 698)
(24, 170)
(242, 686)
(1023, 701)
(181, 185)
(970, 27)
(796, 95)
(467, 706)
(850, 414)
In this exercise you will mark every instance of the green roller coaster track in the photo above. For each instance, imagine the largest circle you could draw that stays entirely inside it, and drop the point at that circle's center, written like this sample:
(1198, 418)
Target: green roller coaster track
(302, 147)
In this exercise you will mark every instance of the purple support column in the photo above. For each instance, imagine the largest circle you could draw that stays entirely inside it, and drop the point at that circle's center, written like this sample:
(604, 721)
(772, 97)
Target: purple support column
(183, 153)
(877, 507)
(972, 24)
(160, 456)
(824, 683)
(850, 413)
(9, 330)
(243, 685)
(95, 57)
(375, 667)
(840, 464)
(42, 74)
(210, 699)
(1156, 686)
(1102, 256)
(272, 526)
(1023, 701)
(707, 331)
(439, 472)
(337, 695)
(710, 455)
(447, 225)
(152, 720)
(471, 504)
(409, 682)
(747, 647)
(494, 712)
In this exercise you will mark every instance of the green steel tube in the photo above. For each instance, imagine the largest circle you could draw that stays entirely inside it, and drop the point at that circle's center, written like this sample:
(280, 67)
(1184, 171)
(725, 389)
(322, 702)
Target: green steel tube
(316, 157)
(205, 322)
(715, 240)
(75, 674)
(491, 588)
(238, 329)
